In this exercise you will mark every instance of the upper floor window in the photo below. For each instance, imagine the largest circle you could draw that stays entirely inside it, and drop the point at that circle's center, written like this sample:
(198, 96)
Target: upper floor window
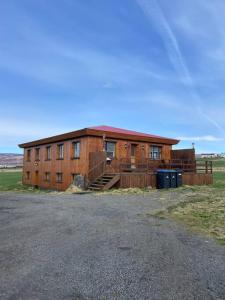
(110, 148)
(76, 149)
(155, 152)
(48, 153)
(37, 153)
(28, 154)
(60, 151)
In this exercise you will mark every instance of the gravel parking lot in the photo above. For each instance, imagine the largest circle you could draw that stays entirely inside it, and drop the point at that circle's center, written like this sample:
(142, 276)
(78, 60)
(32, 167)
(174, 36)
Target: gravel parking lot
(103, 247)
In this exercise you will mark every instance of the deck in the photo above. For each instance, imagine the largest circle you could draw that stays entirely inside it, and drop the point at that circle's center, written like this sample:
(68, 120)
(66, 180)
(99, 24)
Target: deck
(143, 173)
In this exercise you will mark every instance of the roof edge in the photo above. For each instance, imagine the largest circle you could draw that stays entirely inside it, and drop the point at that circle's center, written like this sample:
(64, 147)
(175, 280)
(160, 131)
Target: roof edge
(95, 132)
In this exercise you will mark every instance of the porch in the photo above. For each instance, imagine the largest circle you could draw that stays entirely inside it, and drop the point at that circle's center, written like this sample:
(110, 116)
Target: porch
(123, 173)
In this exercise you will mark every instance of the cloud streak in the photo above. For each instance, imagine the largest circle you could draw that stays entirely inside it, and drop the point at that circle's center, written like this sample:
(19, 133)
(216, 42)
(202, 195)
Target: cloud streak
(152, 10)
(205, 138)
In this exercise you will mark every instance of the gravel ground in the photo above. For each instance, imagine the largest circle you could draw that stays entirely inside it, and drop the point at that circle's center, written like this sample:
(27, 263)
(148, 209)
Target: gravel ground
(103, 247)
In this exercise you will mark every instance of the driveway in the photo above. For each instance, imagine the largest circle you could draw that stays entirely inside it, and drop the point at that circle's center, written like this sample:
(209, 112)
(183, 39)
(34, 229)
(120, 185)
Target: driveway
(56, 246)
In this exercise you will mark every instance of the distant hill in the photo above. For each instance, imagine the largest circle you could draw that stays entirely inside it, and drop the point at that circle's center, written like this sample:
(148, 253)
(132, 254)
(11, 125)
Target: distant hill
(11, 159)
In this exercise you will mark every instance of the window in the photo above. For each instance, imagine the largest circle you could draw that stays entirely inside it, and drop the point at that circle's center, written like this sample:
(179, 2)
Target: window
(48, 153)
(60, 151)
(47, 176)
(76, 150)
(28, 175)
(74, 176)
(133, 149)
(28, 154)
(37, 153)
(155, 152)
(59, 177)
(110, 148)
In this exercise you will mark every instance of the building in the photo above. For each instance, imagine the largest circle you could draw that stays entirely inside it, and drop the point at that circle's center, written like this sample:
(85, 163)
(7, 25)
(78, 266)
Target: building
(102, 151)
(209, 155)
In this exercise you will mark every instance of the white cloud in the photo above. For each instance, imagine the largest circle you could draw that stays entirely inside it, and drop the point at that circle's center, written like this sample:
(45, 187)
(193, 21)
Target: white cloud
(205, 138)
(154, 12)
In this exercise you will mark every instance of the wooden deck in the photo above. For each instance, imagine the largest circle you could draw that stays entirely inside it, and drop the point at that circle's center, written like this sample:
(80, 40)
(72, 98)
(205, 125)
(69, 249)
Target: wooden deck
(143, 174)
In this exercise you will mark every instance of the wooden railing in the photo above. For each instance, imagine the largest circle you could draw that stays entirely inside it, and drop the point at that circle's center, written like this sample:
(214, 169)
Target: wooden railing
(97, 165)
(97, 171)
(205, 167)
(147, 165)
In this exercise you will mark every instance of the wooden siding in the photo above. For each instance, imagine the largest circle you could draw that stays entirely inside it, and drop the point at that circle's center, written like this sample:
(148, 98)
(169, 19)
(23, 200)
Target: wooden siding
(82, 165)
(131, 180)
(140, 180)
(197, 179)
(67, 166)
(183, 154)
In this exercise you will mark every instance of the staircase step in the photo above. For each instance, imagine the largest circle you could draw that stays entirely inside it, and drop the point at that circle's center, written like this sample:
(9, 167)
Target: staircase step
(97, 185)
(94, 188)
(104, 182)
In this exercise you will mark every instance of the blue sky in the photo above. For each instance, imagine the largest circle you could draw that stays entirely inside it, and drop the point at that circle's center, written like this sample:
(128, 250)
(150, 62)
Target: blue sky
(147, 65)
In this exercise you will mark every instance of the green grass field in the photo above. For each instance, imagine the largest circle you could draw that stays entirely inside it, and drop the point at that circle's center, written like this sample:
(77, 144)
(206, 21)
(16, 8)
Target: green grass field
(11, 181)
(218, 163)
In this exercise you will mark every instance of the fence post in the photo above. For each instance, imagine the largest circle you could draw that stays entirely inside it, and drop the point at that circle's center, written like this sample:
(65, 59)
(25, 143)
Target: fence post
(206, 166)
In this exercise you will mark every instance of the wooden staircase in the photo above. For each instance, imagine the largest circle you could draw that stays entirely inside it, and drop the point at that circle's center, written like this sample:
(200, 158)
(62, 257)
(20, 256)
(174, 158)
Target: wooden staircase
(105, 182)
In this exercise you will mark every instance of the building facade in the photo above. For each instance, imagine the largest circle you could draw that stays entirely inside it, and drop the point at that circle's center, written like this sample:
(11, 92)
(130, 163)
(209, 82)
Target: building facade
(53, 163)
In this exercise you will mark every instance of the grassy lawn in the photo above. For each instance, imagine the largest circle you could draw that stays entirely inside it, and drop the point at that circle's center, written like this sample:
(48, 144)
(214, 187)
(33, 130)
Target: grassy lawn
(12, 181)
(218, 163)
(203, 209)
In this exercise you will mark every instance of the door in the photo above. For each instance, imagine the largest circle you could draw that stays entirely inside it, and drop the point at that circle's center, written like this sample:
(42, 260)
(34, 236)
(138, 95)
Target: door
(36, 179)
(133, 155)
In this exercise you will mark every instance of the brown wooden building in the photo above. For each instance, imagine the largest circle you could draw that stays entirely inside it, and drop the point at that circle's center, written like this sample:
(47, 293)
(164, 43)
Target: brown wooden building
(103, 155)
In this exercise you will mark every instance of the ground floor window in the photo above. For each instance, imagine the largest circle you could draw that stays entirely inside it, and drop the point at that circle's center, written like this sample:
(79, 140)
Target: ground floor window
(27, 175)
(74, 176)
(155, 152)
(59, 177)
(47, 176)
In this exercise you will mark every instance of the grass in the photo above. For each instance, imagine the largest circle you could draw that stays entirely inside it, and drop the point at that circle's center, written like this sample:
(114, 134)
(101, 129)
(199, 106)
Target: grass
(219, 180)
(202, 210)
(12, 181)
(218, 163)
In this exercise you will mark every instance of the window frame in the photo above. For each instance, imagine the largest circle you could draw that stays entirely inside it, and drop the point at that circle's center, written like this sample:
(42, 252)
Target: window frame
(153, 154)
(28, 177)
(37, 154)
(59, 180)
(48, 148)
(46, 176)
(59, 157)
(28, 156)
(74, 143)
(113, 152)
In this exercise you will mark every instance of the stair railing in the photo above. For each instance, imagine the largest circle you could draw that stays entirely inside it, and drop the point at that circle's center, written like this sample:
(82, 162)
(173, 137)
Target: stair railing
(97, 171)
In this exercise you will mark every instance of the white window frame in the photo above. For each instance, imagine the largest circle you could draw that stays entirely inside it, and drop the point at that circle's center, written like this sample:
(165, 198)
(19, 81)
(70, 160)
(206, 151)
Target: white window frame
(76, 149)
(110, 154)
(155, 152)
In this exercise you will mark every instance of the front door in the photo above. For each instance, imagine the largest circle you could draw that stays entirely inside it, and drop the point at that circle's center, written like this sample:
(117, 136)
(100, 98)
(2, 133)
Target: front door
(36, 179)
(133, 155)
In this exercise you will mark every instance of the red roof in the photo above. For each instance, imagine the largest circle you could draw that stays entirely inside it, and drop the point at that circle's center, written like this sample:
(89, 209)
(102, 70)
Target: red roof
(98, 130)
(124, 131)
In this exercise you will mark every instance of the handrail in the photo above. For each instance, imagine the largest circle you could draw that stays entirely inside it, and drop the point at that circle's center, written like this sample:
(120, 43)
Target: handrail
(102, 162)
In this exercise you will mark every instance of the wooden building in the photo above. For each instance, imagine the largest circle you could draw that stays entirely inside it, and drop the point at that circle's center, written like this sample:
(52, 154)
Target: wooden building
(103, 156)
